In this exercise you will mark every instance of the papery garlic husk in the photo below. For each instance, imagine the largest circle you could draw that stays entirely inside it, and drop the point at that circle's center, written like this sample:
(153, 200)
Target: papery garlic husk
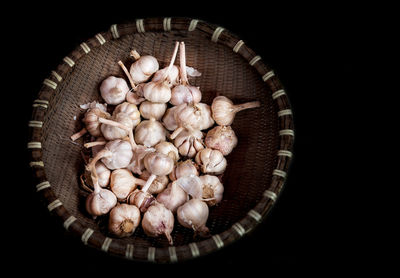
(142, 200)
(173, 197)
(137, 165)
(189, 142)
(211, 161)
(194, 214)
(197, 116)
(212, 189)
(103, 175)
(116, 154)
(137, 96)
(172, 77)
(123, 183)
(113, 90)
(158, 164)
(221, 138)
(111, 132)
(224, 111)
(153, 110)
(158, 185)
(143, 68)
(169, 117)
(169, 149)
(149, 133)
(123, 220)
(158, 220)
(192, 185)
(183, 169)
(92, 123)
(131, 110)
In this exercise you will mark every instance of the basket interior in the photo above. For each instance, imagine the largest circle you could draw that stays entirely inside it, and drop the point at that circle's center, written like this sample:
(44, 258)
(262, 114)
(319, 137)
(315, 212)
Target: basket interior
(224, 72)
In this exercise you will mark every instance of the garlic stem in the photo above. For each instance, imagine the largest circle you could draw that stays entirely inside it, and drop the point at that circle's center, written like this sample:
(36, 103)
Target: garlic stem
(93, 144)
(79, 134)
(132, 140)
(171, 63)
(135, 54)
(247, 105)
(114, 123)
(182, 57)
(92, 168)
(149, 182)
(127, 74)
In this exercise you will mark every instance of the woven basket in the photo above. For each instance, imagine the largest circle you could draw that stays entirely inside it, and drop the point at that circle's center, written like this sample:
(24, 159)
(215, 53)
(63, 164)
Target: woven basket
(257, 167)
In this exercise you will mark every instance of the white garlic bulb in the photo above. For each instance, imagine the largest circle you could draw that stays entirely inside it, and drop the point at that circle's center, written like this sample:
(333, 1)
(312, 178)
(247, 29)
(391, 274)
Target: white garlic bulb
(158, 220)
(158, 185)
(189, 142)
(92, 124)
(211, 161)
(172, 76)
(123, 220)
(150, 132)
(115, 154)
(144, 67)
(169, 117)
(103, 174)
(158, 164)
(100, 202)
(194, 214)
(123, 183)
(111, 129)
(224, 111)
(183, 169)
(221, 138)
(197, 116)
(153, 110)
(113, 90)
(129, 109)
(212, 189)
(192, 185)
(173, 197)
(169, 149)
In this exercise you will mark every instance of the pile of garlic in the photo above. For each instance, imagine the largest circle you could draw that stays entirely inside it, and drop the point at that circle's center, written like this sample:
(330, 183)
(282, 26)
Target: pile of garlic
(156, 150)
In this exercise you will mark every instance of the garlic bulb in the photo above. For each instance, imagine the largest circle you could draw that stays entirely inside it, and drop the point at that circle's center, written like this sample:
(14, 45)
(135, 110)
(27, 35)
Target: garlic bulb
(159, 91)
(211, 161)
(113, 90)
(194, 214)
(137, 165)
(103, 174)
(115, 154)
(153, 110)
(123, 220)
(212, 189)
(221, 138)
(130, 110)
(169, 117)
(123, 183)
(158, 164)
(112, 129)
(169, 149)
(192, 185)
(172, 75)
(141, 199)
(92, 124)
(224, 111)
(189, 142)
(183, 169)
(143, 68)
(158, 185)
(149, 133)
(197, 116)
(173, 197)
(184, 92)
(158, 220)
(136, 97)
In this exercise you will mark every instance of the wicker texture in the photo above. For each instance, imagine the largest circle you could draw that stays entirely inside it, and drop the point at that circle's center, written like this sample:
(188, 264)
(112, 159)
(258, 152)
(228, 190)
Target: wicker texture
(256, 169)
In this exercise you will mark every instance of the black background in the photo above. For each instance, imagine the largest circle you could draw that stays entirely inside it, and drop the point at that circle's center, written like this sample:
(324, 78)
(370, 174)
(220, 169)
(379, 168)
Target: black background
(318, 52)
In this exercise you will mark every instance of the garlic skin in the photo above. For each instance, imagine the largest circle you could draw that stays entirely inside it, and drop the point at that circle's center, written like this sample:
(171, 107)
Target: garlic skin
(91, 121)
(130, 110)
(221, 138)
(150, 132)
(197, 116)
(113, 90)
(158, 220)
(169, 149)
(143, 68)
(189, 142)
(172, 76)
(158, 185)
(100, 202)
(137, 165)
(169, 117)
(194, 214)
(136, 97)
(158, 164)
(212, 188)
(173, 197)
(103, 175)
(123, 220)
(111, 132)
(224, 111)
(123, 183)
(153, 110)
(116, 154)
(211, 161)
(142, 200)
(183, 169)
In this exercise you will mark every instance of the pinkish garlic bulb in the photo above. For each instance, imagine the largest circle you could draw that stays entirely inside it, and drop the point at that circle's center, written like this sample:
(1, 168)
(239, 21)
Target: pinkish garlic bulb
(158, 164)
(92, 123)
(169, 117)
(194, 214)
(173, 197)
(224, 111)
(137, 165)
(211, 161)
(189, 142)
(115, 154)
(158, 185)
(183, 169)
(144, 67)
(123, 220)
(117, 127)
(142, 200)
(169, 149)
(184, 92)
(172, 76)
(150, 132)
(212, 189)
(103, 174)
(123, 183)
(113, 90)
(153, 110)
(221, 138)
(137, 96)
(157, 221)
(130, 110)
(197, 116)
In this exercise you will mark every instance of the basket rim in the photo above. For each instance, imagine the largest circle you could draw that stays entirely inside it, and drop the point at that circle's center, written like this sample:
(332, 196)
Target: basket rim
(254, 217)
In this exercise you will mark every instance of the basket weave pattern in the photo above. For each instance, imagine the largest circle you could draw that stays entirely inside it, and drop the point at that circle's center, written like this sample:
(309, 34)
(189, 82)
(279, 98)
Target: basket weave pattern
(256, 169)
